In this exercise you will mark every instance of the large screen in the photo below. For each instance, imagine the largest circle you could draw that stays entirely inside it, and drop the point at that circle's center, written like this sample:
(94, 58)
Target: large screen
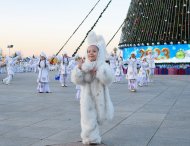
(164, 53)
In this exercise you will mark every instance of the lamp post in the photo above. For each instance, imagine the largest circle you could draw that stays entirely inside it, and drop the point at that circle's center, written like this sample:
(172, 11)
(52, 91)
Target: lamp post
(9, 46)
(1, 52)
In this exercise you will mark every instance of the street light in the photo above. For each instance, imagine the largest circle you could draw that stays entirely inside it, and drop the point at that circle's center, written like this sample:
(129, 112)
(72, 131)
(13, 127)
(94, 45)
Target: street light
(9, 46)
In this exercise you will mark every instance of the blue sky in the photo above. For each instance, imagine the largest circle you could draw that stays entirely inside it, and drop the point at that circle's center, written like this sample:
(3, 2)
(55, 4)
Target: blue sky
(33, 26)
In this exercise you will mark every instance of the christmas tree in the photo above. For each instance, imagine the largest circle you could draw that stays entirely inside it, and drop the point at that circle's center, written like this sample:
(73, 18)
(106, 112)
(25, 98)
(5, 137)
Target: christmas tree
(156, 22)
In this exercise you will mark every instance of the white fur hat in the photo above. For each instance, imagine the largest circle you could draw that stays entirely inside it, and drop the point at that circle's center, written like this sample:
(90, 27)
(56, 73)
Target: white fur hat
(135, 53)
(43, 54)
(98, 41)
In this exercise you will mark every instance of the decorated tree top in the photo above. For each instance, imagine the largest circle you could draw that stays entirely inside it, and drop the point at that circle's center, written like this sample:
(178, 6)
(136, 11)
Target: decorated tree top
(151, 22)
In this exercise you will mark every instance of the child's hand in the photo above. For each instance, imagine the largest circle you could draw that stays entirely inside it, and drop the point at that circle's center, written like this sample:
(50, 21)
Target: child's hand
(80, 62)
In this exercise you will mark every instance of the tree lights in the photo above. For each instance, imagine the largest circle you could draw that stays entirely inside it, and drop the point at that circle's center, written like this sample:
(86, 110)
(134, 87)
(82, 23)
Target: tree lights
(157, 22)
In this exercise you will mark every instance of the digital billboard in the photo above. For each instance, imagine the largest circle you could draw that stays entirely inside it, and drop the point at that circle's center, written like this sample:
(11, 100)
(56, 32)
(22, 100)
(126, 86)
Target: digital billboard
(176, 53)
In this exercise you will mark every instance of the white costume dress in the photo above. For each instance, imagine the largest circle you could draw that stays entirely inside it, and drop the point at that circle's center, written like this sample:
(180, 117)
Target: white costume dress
(33, 63)
(64, 71)
(119, 71)
(143, 73)
(43, 77)
(95, 102)
(150, 60)
(112, 60)
(72, 65)
(132, 74)
(10, 69)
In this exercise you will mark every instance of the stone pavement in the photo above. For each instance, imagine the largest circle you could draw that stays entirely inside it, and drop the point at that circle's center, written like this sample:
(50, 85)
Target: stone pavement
(157, 115)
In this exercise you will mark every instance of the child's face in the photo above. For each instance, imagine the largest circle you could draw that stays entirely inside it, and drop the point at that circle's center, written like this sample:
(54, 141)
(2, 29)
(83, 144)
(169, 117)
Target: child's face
(132, 55)
(65, 55)
(42, 58)
(92, 53)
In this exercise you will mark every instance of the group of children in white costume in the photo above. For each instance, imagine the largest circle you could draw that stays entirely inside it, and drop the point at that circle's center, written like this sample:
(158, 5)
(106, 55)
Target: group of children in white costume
(66, 64)
(145, 73)
(43, 75)
(135, 77)
(139, 71)
(21, 65)
(116, 64)
(32, 65)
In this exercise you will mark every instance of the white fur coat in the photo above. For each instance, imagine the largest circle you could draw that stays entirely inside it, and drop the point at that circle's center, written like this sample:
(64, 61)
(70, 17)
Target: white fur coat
(95, 103)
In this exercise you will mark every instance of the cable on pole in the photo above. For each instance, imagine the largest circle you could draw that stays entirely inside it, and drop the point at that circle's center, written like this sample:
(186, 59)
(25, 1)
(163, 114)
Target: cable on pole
(78, 27)
(115, 33)
(91, 28)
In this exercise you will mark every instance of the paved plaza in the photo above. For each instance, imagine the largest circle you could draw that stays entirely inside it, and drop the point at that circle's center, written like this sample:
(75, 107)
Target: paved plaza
(157, 115)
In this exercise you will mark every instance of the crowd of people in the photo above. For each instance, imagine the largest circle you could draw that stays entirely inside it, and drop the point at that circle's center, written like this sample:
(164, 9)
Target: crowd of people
(138, 72)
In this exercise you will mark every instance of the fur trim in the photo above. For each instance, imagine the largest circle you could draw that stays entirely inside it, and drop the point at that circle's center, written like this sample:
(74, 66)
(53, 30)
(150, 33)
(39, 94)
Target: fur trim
(105, 74)
(77, 76)
(88, 77)
(43, 54)
(87, 66)
(109, 106)
(98, 41)
(92, 38)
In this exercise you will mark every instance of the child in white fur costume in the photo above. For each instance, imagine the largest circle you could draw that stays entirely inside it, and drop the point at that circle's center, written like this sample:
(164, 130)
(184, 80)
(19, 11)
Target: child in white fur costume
(94, 76)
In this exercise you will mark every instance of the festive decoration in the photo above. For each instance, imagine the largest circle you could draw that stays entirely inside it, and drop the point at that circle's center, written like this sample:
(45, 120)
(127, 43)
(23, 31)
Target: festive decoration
(180, 54)
(149, 22)
(160, 26)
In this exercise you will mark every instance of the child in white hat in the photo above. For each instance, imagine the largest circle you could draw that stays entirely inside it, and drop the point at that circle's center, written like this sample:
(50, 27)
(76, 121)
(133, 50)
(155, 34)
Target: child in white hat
(143, 73)
(64, 70)
(132, 72)
(43, 75)
(94, 76)
(150, 59)
(9, 63)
